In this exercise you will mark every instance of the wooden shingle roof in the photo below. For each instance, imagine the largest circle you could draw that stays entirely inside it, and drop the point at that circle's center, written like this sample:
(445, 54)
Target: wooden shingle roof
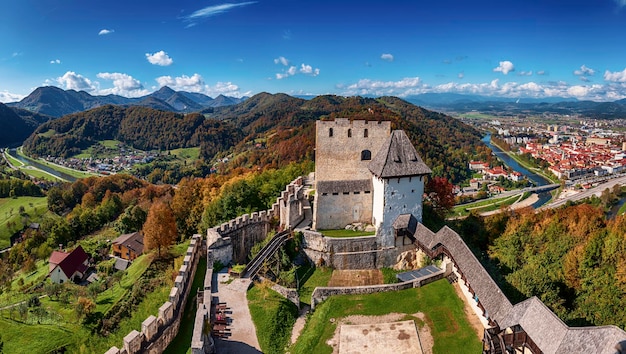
(398, 158)
(545, 328)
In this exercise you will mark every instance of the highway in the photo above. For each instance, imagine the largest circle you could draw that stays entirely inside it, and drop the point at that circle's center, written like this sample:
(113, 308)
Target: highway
(587, 193)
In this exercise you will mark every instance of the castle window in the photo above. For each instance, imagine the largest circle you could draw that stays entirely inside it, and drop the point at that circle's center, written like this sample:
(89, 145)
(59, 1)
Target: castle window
(324, 193)
(346, 193)
(366, 155)
(357, 192)
(412, 190)
(349, 133)
(335, 193)
(365, 133)
(330, 132)
(367, 192)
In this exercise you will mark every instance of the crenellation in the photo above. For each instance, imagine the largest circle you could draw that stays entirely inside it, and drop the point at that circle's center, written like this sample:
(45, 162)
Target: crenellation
(149, 327)
(166, 312)
(132, 342)
(174, 293)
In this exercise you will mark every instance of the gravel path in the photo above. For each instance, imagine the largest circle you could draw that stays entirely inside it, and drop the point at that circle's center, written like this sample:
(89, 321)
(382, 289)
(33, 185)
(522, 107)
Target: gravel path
(243, 339)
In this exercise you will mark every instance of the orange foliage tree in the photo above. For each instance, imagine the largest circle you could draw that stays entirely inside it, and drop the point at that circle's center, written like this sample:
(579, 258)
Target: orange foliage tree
(159, 230)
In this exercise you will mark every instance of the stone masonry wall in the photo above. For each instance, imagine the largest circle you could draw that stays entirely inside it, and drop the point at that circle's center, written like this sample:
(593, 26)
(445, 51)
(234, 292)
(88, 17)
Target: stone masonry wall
(237, 236)
(350, 253)
(158, 332)
(322, 293)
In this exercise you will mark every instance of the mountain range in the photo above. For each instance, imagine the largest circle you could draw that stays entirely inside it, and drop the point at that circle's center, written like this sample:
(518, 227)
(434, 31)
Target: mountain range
(264, 130)
(56, 102)
(459, 103)
(17, 124)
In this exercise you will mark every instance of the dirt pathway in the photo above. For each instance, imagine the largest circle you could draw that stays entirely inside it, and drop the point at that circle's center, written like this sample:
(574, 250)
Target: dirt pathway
(242, 339)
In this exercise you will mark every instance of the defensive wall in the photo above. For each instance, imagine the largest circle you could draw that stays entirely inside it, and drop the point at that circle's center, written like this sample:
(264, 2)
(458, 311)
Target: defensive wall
(157, 332)
(322, 293)
(233, 240)
(351, 253)
(201, 341)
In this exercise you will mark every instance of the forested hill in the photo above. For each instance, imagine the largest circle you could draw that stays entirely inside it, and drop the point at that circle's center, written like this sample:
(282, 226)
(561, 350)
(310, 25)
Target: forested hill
(141, 127)
(444, 143)
(266, 130)
(17, 124)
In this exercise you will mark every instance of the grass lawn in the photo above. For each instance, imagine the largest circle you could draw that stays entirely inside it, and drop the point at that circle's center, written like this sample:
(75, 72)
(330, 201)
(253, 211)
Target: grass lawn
(443, 309)
(20, 338)
(15, 162)
(70, 171)
(273, 317)
(9, 211)
(188, 154)
(482, 205)
(311, 278)
(346, 233)
(182, 341)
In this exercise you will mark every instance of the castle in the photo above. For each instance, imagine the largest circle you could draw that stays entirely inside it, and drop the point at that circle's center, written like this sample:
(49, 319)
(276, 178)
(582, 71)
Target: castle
(365, 173)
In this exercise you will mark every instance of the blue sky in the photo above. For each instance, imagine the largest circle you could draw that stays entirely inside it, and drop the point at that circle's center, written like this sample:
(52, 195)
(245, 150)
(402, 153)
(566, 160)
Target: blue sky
(517, 48)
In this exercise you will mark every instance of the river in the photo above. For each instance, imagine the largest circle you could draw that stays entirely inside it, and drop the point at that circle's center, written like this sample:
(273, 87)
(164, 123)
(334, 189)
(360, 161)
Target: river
(65, 176)
(537, 179)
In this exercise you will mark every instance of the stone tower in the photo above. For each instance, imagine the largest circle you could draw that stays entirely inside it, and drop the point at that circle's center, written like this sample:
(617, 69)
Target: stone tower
(398, 184)
(343, 151)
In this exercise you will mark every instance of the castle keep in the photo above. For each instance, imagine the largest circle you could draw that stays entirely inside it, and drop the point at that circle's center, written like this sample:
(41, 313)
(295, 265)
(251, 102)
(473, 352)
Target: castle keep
(366, 173)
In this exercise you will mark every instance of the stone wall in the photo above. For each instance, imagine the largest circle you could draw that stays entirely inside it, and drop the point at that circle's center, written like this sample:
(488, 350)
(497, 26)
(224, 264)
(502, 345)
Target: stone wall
(233, 240)
(158, 332)
(201, 341)
(322, 293)
(350, 253)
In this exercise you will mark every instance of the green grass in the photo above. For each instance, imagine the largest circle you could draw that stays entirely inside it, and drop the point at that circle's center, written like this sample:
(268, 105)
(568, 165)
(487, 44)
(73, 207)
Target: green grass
(389, 275)
(622, 209)
(36, 338)
(182, 341)
(187, 154)
(15, 162)
(70, 171)
(311, 278)
(49, 133)
(115, 293)
(346, 233)
(9, 212)
(443, 309)
(483, 205)
(273, 317)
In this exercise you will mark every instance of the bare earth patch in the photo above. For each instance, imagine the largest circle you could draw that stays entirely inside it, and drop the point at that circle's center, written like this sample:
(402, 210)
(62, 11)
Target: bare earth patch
(382, 334)
(471, 316)
(356, 277)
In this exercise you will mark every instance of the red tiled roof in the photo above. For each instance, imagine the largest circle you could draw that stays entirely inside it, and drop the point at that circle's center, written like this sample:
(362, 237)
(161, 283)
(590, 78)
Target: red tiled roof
(70, 263)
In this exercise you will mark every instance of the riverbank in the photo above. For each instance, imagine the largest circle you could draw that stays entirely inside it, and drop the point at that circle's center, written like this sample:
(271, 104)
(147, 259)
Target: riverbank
(535, 169)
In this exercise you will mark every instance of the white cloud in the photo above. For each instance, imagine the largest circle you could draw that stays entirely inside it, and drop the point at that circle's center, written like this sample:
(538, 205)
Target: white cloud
(413, 86)
(620, 3)
(281, 60)
(403, 87)
(213, 10)
(617, 76)
(56, 61)
(386, 57)
(73, 81)
(461, 75)
(541, 72)
(195, 83)
(293, 70)
(584, 71)
(505, 67)
(123, 85)
(6, 97)
(525, 73)
(584, 79)
(308, 70)
(105, 32)
(159, 58)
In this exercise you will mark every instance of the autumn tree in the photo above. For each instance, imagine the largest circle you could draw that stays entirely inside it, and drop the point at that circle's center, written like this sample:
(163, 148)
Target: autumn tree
(440, 194)
(159, 230)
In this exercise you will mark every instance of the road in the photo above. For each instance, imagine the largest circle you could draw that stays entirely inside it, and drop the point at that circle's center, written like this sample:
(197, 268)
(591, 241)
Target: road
(587, 193)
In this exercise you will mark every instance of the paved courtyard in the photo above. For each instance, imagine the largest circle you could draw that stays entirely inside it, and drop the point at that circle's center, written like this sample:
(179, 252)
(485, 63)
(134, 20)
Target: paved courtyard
(242, 338)
(394, 337)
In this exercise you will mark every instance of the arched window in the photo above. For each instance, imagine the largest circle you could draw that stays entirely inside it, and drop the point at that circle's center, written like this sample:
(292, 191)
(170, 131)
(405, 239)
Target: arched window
(366, 155)
(330, 132)
(349, 133)
(365, 133)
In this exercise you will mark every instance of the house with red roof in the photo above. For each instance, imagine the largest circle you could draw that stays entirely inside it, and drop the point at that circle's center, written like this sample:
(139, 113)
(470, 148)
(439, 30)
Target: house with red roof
(66, 266)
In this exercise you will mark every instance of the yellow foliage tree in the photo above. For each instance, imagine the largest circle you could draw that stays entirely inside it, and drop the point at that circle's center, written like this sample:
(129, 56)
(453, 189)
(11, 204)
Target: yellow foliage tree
(159, 230)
